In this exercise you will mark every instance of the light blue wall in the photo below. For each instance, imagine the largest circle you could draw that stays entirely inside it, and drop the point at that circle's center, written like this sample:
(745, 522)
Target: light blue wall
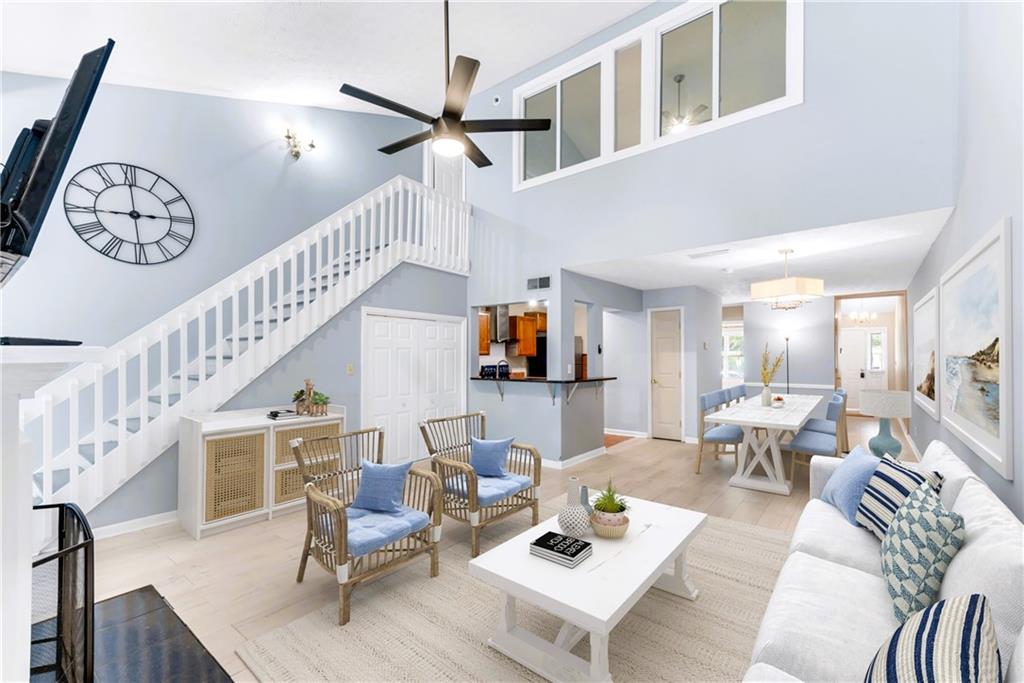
(988, 157)
(322, 357)
(229, 159)
(625, 357)
(811, 346)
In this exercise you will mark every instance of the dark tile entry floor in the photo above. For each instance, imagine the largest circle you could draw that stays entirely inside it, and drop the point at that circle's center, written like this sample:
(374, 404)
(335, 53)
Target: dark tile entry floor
(139, 638)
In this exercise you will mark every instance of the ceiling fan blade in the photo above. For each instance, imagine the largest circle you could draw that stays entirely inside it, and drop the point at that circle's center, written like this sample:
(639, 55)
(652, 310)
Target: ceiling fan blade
(459, 86)
(384, 102)
(405, 143)
(505, 125)
(474, 153)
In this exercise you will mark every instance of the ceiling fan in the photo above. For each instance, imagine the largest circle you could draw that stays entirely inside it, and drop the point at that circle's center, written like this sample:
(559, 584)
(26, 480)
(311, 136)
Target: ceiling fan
(448, 131)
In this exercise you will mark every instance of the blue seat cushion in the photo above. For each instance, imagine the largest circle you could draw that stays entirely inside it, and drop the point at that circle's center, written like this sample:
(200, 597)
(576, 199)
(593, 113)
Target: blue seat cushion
(724, 434)
(814, 443)
(816, 424)
(489, 490)
(370, 530)
(488, 457)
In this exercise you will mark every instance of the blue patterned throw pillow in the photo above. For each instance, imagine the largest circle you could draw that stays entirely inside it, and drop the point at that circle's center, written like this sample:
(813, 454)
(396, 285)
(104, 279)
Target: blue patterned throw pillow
(488, 457)
(917, 550)
(953, 640)
(381, 487)
(890, 484)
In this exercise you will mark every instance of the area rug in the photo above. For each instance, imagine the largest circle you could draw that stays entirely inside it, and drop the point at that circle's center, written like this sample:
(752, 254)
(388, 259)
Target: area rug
(409, 627)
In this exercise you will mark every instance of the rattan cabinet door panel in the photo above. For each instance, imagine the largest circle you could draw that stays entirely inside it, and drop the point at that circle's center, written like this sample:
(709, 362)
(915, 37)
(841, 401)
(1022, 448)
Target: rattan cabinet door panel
(283, 451)
(287, 485)
(234, 475)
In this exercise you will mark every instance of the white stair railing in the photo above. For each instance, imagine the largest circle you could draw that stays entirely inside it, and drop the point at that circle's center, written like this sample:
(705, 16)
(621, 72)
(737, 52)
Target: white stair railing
(101, 423)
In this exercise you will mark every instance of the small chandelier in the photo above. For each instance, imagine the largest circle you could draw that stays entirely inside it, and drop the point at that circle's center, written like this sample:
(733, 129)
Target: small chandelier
(789, 292)
(295, 145)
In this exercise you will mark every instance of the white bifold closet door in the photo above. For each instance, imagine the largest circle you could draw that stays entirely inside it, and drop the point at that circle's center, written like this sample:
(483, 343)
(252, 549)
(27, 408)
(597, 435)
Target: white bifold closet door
(415, 370)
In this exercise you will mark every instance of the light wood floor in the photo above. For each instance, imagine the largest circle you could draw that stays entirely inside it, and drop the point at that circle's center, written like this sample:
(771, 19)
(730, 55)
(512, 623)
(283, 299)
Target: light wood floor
(238, 585)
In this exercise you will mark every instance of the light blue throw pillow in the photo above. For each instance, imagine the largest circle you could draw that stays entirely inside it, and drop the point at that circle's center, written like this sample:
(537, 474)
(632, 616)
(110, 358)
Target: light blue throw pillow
(381, 487)
(845, 487)
(488, 457)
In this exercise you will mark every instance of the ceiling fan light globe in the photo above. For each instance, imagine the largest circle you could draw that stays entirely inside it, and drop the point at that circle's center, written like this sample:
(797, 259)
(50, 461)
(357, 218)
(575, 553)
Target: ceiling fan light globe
(679, 126)
(447, 146)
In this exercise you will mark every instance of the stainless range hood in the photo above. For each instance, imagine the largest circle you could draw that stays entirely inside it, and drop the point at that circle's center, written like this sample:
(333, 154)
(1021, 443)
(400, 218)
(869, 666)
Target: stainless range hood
(499, 323)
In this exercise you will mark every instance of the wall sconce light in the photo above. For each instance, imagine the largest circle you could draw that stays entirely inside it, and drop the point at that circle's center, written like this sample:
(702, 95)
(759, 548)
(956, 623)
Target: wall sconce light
(295, 146)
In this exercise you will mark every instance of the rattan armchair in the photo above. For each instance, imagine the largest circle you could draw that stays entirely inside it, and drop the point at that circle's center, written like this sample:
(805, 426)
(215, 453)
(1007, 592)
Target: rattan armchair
(331, 468)
(448, 442)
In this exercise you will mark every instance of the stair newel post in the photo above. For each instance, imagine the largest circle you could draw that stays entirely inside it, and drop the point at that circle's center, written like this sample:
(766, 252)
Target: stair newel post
(250, 321)
(316, 307)
(449, 233)
(403, 222)
(100, 485)
(275, 340)
(201, 350)
(236, 300)
(302, 321)
(371, 242)
(294, 308)
(417, 234)
(47, 493)
(218, 335)
(393, 219)
(73, 455)
(359, 232)
(467, 224)
(122, 415)
(332, 261)
(165, 380)
(312, 281)
(143, 399)
(182, 362)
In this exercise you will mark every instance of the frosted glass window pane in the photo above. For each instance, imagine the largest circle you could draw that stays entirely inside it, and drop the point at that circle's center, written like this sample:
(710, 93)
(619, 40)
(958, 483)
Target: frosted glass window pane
(539, 145)
(686, 75)
(627, 97)
(753, 54)
(581, 117)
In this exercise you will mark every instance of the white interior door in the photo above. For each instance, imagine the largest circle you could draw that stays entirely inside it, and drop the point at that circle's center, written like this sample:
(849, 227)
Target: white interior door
(853, 344)
(666, 375)
(413, 371)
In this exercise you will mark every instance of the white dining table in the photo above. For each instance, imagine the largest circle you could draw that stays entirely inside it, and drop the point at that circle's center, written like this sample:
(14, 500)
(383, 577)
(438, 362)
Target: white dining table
(763, 431)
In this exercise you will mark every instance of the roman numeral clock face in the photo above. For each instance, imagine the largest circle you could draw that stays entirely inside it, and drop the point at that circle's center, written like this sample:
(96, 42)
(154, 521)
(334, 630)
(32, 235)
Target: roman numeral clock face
(128, 213)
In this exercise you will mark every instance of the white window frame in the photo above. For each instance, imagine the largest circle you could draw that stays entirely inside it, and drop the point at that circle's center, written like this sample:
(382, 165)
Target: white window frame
(731, 328)
(649, 35)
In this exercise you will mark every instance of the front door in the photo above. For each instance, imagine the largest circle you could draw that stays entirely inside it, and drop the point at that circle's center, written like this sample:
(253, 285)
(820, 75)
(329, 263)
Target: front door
(414, 371)
(852, 364)
(666, 375)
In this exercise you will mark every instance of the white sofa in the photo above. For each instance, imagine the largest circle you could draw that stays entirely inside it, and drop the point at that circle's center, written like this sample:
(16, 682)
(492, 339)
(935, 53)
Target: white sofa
(830, 610)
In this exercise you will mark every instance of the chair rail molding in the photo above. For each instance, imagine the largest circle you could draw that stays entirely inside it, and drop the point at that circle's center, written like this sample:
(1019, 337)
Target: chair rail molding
(103, 422)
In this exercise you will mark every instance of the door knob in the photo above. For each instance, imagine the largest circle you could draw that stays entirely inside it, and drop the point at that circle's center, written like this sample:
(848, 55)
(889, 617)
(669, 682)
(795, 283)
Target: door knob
(654, 381)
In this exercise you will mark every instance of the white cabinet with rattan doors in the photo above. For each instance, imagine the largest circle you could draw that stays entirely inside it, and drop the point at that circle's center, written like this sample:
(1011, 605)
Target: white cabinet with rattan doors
(236, 467)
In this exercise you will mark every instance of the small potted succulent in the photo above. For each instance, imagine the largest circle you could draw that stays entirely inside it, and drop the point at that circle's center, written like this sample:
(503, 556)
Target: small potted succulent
(320, 402)
(609, 519)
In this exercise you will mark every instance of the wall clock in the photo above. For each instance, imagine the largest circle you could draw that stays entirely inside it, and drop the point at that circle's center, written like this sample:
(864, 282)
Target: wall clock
(128, 213)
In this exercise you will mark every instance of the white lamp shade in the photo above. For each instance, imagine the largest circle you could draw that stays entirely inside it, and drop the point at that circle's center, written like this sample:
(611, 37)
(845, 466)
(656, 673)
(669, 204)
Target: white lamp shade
(892, 404)
(787, 289)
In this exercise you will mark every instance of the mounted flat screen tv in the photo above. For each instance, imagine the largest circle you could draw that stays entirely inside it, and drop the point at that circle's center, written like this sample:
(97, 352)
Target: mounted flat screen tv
(36, 163)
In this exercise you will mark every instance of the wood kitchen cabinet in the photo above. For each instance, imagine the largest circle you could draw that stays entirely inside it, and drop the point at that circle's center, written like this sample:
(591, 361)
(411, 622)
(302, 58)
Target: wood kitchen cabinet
(484, 328)
(523, 330)
(542, 319)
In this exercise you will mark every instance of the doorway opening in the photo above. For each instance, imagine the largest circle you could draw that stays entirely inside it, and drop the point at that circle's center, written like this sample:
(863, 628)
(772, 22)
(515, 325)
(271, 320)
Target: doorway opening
(871, 344)
(665, 328)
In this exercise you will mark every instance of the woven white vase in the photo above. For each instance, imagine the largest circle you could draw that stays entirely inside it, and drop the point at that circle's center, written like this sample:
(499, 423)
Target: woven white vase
(574, 519)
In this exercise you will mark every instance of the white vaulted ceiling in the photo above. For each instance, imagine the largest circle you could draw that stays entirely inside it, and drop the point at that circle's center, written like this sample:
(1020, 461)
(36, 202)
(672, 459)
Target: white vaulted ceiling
(297, 52)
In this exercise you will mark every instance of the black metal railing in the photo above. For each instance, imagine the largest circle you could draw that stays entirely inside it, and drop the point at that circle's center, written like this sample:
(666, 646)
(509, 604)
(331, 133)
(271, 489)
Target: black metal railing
(62, 600)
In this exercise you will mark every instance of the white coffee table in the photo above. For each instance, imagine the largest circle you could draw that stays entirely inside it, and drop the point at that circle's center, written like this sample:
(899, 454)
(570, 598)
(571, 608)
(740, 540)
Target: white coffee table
(592, 598)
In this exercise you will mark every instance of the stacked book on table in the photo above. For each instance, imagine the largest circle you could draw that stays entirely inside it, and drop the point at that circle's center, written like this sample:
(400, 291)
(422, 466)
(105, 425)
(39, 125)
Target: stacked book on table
(561, 549)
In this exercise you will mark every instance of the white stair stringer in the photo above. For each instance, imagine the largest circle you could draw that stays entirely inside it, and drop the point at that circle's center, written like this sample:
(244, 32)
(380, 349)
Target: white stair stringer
(233, 332)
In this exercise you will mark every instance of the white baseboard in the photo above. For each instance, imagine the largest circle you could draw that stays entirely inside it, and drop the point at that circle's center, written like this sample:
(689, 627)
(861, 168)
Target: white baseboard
(138, 524)
(626, 432)
(574, 460)
(690, 439)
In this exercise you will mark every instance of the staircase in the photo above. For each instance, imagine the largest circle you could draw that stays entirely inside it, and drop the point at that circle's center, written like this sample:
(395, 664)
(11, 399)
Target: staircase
(101, 423)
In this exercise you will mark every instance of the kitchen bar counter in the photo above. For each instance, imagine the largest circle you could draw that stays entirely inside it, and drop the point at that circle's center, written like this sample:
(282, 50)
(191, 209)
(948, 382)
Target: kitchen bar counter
(552, 384)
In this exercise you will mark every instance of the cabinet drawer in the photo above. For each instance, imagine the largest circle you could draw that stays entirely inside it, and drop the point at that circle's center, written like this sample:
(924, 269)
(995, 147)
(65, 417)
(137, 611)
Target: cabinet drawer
(283, 452)
(234, 476)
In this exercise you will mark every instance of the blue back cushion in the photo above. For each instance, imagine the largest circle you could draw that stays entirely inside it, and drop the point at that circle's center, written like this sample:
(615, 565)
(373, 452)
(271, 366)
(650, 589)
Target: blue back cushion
(835, 407)
(845, 487)
(381, 487)
(488, 457)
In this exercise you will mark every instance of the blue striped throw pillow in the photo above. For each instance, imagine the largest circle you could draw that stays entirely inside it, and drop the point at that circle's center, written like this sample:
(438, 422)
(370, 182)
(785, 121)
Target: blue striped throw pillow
(888, 487)
(953, 640)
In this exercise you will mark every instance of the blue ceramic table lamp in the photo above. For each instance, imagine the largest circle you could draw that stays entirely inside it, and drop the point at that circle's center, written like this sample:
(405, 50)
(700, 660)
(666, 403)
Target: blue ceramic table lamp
(885, 405)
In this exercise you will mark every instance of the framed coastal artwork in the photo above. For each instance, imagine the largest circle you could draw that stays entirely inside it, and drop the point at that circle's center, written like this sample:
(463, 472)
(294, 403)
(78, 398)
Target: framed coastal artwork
(974, 348)
(926, 352)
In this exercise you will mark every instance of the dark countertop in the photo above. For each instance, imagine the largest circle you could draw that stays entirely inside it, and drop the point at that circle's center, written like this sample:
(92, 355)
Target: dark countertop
(542, 380)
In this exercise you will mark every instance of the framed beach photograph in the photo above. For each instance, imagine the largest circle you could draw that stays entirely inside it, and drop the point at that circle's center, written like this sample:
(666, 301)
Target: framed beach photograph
(926, 352)
(975, 321)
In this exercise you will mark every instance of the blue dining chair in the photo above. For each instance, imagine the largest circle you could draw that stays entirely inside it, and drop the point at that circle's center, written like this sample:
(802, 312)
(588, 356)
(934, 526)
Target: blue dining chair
(834, 423)
(721, 435)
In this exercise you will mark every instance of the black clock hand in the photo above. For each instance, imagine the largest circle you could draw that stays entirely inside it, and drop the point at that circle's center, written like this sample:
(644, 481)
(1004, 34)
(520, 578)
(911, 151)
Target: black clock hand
(134, 213)
(127, 213)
